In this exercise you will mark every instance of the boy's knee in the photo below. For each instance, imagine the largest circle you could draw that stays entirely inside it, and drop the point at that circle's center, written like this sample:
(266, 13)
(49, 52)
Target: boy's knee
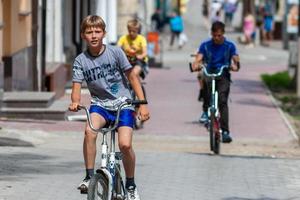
(125, 147)
(90, 134)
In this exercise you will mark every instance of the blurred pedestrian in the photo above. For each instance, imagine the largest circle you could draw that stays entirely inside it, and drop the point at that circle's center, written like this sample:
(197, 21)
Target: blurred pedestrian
(215, 11)
(176, 26)
(249, 28)
(157, 23)
(217, 17)
(205, 8)
(230, 7)
(268, 23)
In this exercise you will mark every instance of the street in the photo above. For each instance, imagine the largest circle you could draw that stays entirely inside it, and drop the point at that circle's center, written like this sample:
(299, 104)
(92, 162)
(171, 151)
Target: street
(42, 160)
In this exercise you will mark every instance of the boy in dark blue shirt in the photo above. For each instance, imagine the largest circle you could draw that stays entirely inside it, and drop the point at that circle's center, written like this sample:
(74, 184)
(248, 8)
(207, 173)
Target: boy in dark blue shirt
(215, 53)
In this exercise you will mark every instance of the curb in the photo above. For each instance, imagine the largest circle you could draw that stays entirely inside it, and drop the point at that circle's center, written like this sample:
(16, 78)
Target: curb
(282, 113)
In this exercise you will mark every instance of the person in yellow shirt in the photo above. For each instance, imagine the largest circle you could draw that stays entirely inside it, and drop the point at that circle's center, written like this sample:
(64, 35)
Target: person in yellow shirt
(135, 47)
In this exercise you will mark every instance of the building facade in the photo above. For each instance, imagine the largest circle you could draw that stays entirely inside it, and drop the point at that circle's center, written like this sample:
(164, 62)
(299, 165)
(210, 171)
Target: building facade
(39, 39)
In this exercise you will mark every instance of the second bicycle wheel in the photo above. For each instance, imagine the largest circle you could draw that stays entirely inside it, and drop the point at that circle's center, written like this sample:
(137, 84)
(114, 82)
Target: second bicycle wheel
(217, 137)
(98, 187)
(211, 130)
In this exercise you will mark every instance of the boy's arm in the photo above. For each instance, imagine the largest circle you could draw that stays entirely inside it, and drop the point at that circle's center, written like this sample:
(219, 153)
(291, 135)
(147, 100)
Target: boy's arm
(75, 97)
(198, 60)
(143, 111)
(143, 54)
(235, 66)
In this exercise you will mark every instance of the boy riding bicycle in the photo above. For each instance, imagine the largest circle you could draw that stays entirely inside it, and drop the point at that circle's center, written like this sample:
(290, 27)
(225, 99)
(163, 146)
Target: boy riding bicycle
(215, 53)
(135, 48)
(106, 69)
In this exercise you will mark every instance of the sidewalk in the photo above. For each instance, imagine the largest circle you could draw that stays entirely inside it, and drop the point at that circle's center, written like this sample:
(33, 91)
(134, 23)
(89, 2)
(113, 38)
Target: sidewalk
(42, 160)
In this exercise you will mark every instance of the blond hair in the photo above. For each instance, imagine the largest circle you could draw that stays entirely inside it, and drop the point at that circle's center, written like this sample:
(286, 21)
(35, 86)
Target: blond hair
(92, 21)
(134, 23)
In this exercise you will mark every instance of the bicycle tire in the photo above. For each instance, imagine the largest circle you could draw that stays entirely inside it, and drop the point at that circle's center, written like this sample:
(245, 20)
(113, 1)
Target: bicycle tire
(118, 183)
(211, 130)
(98, 187)
(217, 137)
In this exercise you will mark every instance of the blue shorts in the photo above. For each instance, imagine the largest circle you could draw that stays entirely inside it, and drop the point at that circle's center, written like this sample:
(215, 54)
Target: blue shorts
(127, 116)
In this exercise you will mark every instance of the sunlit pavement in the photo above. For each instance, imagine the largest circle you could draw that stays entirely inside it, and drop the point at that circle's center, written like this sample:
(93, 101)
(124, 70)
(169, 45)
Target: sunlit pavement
(43, 159)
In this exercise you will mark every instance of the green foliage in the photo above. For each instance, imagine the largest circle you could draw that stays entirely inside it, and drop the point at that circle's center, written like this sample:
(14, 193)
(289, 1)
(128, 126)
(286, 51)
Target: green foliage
(277, 81)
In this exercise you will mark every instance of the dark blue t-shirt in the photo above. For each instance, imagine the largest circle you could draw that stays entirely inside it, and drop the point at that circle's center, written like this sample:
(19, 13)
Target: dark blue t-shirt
(217, 55)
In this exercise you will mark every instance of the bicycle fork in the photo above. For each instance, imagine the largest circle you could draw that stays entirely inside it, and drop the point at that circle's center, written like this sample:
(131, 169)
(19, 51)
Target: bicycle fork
(108, 165)
(103, 168)
(214, 100)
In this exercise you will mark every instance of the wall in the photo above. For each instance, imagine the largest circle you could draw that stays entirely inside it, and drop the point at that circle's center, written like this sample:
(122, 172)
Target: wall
(17, 50)
(1, 46)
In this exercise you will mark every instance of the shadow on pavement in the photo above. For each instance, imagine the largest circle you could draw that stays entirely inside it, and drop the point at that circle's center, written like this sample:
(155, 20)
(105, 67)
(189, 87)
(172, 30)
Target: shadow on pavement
(255, 102)
(243, 157)
(14, 142)
(21, 165)
(261, 198)
(248, 86)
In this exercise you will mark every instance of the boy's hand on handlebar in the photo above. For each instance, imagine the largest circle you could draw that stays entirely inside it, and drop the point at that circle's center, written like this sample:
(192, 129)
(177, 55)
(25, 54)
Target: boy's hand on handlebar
(139, 57)
(234, 68)
(143, 112)
(74, 106)
(196, 67)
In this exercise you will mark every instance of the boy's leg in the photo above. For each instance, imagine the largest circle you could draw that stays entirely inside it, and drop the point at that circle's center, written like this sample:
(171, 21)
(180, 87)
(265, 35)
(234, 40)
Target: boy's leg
(89, 143)
(223, 86)
(125, 145)
(89, 149)
(137, 70)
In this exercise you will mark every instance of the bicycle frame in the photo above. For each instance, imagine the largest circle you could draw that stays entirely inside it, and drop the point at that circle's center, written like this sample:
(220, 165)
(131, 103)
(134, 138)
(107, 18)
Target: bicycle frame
(214, 93)
(214, 109)
(108, 154)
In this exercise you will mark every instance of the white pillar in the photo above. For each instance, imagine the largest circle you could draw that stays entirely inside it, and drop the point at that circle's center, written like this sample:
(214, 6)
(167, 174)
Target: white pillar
(101, 10)
(54, 42)
(112, 21)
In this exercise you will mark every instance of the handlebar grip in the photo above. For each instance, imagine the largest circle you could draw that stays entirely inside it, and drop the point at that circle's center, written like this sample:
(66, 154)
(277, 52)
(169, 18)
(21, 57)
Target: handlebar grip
(79, 107)
(136, 102)
(191, 69)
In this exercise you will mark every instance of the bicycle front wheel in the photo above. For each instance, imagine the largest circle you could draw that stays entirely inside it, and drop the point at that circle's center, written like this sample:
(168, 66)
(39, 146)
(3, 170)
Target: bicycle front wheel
(216, 136)
(212, 130)
(98, 187)
(119, 186)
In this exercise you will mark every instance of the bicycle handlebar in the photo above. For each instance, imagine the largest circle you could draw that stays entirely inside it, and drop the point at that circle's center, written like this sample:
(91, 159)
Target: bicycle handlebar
(214, 74)
(204, 67)
(127, 102)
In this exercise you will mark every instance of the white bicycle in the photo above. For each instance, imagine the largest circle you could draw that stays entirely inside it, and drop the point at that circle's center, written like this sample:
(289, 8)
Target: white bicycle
(107, 183)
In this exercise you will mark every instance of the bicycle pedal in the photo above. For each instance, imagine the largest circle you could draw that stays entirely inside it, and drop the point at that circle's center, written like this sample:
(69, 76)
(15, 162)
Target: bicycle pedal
(118, 156)
(83, 190)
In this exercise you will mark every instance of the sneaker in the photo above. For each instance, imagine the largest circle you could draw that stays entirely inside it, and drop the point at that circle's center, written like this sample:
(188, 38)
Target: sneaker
(83, 186)
(203, 118)
(226, 138)
(132, 194)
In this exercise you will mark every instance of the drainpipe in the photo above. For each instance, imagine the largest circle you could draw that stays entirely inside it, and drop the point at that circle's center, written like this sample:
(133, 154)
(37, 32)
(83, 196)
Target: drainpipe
(43, 46)
(34, 35)
(77, 16)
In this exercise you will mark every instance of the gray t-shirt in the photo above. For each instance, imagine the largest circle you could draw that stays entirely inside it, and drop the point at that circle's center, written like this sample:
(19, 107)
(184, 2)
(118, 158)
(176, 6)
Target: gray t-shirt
(104, 75)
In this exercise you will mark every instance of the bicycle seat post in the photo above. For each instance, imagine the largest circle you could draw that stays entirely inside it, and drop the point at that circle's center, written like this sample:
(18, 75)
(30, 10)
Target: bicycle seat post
(104, 150)
(112, 151)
